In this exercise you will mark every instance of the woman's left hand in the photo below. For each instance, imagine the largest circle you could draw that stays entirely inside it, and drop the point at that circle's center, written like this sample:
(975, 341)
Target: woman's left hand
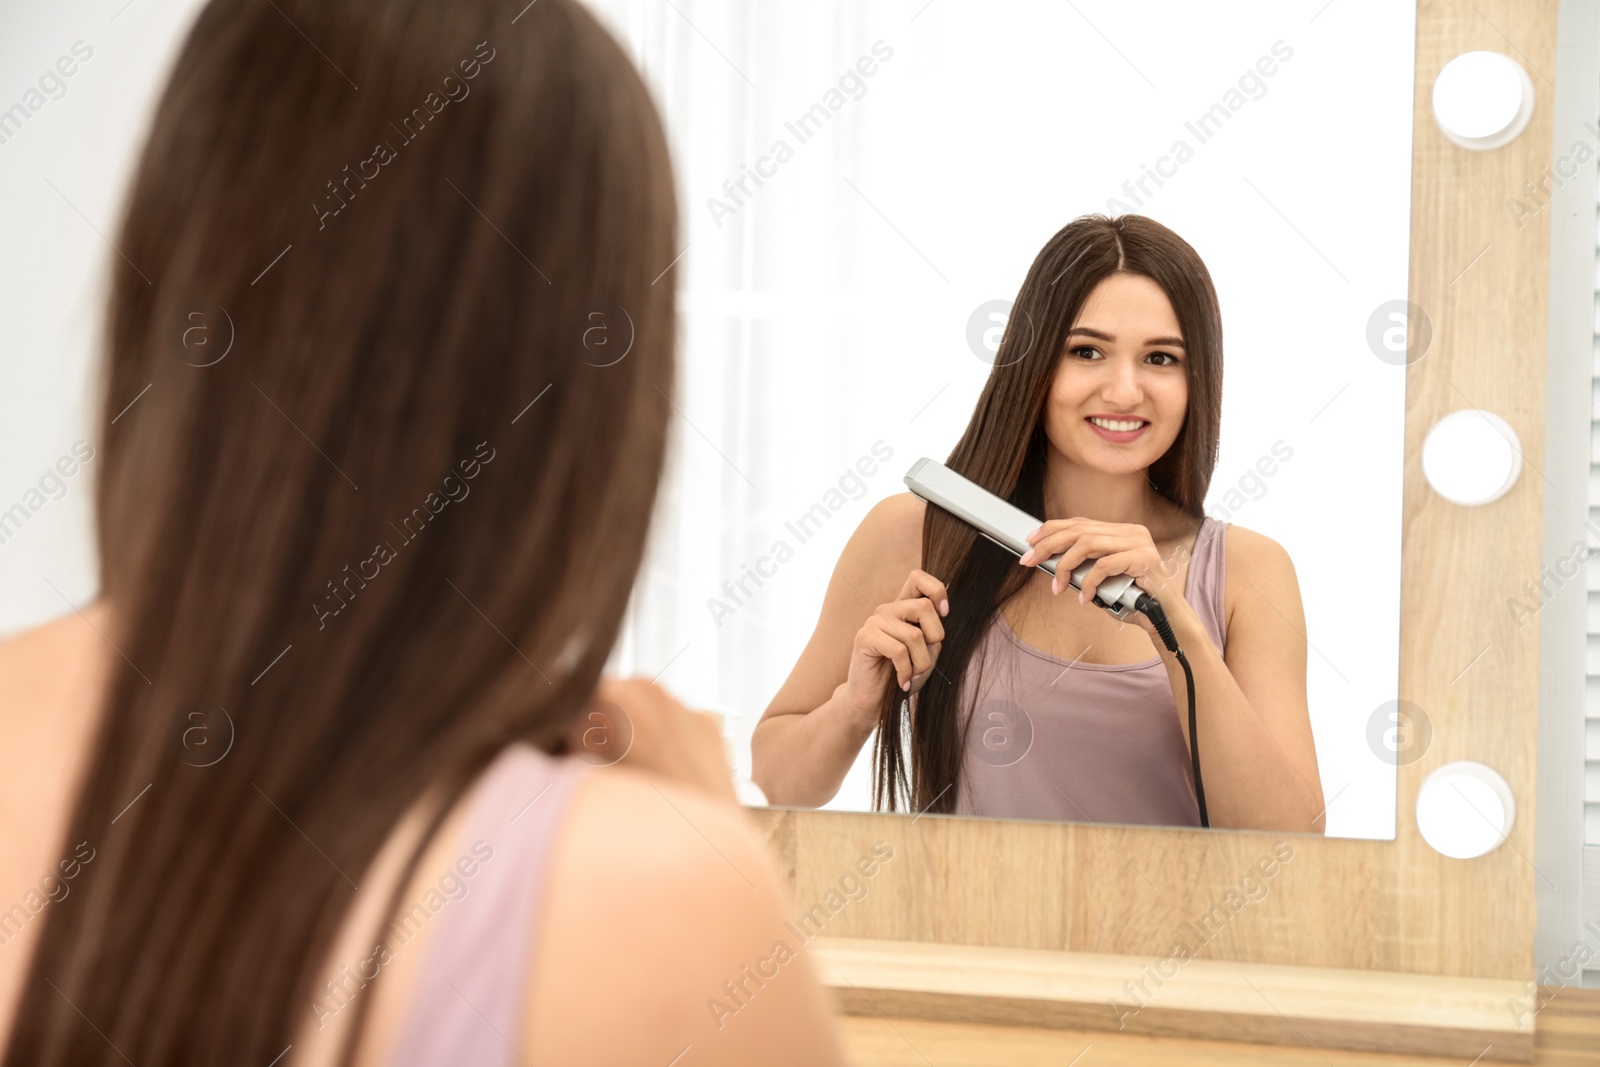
(1116, 548)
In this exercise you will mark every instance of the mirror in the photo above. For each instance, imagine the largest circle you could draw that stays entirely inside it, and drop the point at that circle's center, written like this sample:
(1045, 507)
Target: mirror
(862, 198)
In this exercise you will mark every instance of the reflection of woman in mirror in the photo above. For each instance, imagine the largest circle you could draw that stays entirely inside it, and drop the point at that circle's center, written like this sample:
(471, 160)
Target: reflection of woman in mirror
(1080, 717)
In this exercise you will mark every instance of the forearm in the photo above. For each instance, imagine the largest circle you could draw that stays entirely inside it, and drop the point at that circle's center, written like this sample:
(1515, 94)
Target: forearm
(1250, 782)
(801, 759)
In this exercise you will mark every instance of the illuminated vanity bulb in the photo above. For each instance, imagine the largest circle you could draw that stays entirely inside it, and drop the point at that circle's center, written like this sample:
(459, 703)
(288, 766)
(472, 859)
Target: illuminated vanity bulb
(1482, 99)
(1471, 457)
(1465, 810)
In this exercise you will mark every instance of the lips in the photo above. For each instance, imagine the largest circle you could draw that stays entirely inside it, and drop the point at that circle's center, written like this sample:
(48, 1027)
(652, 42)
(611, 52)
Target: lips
(1117, 437)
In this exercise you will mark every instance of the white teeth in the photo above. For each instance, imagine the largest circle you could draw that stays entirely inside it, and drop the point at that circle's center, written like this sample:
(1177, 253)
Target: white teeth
(1117, 427)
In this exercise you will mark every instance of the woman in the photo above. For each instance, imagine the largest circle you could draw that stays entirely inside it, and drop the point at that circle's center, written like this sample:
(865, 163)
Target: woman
(291, 782)
(1101, 414)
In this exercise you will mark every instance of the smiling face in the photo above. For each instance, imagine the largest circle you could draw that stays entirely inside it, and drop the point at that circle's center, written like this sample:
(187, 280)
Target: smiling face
(1123, 360)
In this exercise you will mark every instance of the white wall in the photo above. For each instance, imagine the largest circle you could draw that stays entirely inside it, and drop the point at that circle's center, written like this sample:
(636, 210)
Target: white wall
(63, 171)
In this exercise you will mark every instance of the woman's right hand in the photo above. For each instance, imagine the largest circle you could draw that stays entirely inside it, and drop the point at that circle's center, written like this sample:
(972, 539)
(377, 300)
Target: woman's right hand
(900, 640)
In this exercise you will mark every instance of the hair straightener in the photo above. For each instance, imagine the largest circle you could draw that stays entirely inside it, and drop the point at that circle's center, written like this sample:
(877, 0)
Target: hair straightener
(1008, 526)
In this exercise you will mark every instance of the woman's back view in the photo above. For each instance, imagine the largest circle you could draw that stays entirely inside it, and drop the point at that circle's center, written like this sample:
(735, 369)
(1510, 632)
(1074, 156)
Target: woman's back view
(368, 509)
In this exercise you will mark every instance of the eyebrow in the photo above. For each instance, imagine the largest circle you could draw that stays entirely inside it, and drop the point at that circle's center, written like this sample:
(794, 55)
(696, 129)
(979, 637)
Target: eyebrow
(1176, 342)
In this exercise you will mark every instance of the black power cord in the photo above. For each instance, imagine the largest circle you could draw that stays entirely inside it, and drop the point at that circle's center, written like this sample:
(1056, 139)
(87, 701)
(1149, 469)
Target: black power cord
(1158, 618)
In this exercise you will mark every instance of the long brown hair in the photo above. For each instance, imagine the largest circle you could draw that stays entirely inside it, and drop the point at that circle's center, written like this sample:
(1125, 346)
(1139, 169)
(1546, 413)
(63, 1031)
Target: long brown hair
(383, 511)
(1004, 449)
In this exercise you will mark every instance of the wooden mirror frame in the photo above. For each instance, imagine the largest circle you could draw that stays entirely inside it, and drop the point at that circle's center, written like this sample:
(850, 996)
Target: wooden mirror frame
(1356, 943)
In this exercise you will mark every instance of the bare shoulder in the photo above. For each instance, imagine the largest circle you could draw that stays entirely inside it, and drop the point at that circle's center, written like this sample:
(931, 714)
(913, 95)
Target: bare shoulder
(892, 530)
(45, 638)
(1256, 567)
(58, 664)
(622, 815)
(885, 547)
(664, 928)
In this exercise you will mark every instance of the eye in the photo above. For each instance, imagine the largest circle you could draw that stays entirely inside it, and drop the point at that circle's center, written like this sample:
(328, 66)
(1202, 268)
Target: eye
(1172, 361)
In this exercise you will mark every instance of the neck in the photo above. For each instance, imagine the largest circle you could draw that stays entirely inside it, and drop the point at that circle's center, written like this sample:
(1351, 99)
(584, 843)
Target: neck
(1071, 491)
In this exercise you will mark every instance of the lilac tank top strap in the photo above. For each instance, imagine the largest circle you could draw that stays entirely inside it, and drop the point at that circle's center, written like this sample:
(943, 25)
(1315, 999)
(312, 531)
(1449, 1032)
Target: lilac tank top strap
(1204, 592)
(467, 1002)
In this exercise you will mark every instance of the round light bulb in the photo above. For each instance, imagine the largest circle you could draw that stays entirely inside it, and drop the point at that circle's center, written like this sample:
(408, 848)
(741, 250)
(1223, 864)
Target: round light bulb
(1472, 457)
(1482, 99)
(1465, 810)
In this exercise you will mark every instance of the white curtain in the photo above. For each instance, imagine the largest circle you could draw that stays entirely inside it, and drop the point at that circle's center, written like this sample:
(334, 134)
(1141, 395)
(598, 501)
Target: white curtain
(792, 287)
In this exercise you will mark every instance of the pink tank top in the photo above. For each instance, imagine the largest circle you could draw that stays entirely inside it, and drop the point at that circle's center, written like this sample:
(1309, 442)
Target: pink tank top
(1084, 742)
(466, 1006)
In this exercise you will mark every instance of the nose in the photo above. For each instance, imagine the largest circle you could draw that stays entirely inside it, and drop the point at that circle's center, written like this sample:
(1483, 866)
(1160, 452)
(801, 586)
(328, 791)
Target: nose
(1123, 390)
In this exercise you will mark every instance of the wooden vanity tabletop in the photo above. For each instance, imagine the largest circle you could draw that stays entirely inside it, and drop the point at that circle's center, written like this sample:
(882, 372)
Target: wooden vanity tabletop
(1567, 1035)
